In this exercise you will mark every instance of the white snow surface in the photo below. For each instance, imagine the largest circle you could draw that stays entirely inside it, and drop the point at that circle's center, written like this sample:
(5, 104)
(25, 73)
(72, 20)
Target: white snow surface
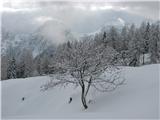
(138, 98)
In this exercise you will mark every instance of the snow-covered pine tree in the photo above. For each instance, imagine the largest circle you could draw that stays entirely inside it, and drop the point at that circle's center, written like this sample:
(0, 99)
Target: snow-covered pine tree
(26, 66)
(153, 43)
(124, 38)
(132, 45)
(135, 49)
(12, 69)
(45, 66)
(144, 38)
(4, 66)
(147, 37)
(21, 69)
(113, 38)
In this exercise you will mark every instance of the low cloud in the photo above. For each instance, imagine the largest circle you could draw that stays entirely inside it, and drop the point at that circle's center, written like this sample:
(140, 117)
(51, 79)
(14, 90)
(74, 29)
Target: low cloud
(24, 16)
(121, 21)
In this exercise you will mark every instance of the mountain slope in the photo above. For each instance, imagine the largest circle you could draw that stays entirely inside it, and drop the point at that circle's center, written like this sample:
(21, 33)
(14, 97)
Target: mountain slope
(138, 98)
(49, 34)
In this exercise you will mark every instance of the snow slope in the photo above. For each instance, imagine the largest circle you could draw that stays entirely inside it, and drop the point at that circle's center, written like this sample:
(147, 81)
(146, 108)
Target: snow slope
(138, 98)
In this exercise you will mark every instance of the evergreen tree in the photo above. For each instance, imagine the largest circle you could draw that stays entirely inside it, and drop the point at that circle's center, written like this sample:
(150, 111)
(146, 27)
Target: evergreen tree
(113, 38)
(11, 71)
(45, 66)
(26, 67)
(133, 37)
(153, 46)
(146, 38)
(124, 38)
(21, 70)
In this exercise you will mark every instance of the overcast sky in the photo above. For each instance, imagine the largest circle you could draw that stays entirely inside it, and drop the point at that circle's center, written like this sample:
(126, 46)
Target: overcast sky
(83, 17)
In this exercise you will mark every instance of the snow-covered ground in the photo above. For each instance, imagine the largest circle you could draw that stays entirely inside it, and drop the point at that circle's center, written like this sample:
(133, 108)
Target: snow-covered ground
(138, 98)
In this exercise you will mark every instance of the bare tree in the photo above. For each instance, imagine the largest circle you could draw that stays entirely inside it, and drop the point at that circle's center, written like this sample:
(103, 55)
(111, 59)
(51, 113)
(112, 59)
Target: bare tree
(83, 64)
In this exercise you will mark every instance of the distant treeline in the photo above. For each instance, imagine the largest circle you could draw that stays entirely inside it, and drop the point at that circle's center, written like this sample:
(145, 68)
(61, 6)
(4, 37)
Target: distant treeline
(131, 43)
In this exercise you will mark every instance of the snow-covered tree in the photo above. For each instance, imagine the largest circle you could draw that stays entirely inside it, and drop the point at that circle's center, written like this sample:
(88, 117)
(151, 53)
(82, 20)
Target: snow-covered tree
(124, 38)
(25, 65)
(153, 43)
(113, 38)
(84, 64)
(21, 69)
(135, 49)
(12, 69)
(144, 38)
(45, 66)
(4, 67)
(38, 66)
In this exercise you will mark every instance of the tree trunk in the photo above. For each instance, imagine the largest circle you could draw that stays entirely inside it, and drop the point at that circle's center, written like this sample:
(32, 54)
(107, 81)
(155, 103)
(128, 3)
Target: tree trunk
(88, 87)
(143, 58)
(83, 98)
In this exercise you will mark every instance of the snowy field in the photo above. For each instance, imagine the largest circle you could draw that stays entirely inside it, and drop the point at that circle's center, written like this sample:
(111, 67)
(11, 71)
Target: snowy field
(137, 98)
